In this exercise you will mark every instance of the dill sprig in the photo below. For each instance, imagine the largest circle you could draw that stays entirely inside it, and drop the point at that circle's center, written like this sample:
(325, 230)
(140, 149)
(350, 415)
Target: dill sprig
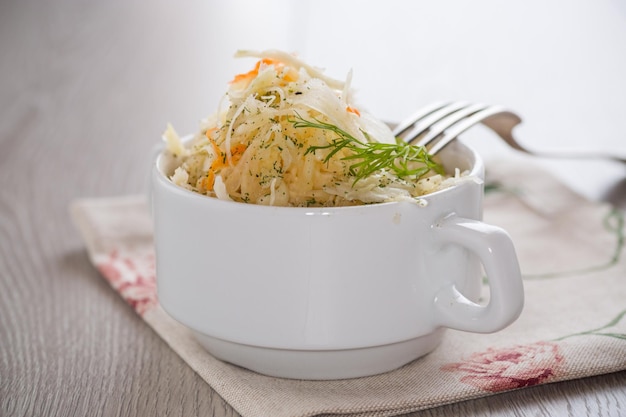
(403, 159)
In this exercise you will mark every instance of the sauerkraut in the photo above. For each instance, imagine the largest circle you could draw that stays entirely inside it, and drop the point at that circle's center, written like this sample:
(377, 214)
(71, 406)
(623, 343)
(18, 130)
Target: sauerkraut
(285, 134)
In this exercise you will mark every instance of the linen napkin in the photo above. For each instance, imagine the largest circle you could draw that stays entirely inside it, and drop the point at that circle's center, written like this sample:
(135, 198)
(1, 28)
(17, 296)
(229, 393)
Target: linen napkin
(572, 257)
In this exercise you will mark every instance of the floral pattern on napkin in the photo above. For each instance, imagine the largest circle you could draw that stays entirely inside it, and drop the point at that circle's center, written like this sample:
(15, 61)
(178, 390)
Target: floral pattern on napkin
(510, 368)
(133, 276)
(519, 366)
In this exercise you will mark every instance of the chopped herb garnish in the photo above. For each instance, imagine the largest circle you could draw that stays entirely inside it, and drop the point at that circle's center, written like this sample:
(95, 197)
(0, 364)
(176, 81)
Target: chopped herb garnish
(370, 157)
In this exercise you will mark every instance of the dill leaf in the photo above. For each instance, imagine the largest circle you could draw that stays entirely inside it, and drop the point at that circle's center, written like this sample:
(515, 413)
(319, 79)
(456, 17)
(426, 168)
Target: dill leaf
(402, 159)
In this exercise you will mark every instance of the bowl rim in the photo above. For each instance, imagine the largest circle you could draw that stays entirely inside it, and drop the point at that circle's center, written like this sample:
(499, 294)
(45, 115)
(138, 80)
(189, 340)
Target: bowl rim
(476, 171)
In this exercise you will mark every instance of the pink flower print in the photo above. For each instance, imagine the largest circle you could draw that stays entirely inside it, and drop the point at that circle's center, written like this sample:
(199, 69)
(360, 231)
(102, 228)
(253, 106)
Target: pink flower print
(509, 368)
(133, 276)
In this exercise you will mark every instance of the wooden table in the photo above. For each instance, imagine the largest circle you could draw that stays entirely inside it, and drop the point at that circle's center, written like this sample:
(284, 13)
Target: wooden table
(86, 89)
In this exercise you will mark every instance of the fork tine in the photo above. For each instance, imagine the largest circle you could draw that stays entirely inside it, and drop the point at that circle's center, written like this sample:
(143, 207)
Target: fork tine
(465, 124)
(435, 131)
(444, 122)
(410, 121)
(425, 123)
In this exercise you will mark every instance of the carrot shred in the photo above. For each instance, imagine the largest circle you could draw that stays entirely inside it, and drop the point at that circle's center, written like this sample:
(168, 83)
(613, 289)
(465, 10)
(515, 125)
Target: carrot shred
(219, 162)
(237, 151)
(289, 76)
(248, 76)
(209, 181)
(209, 132)
(353, 110)
(221, 159)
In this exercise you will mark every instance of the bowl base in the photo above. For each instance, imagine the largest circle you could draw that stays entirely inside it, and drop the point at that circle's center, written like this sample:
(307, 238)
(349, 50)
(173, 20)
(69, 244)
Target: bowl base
(321, 364)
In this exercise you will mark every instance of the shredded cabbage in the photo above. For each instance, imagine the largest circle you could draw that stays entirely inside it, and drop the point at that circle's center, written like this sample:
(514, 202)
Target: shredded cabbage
(250, 151)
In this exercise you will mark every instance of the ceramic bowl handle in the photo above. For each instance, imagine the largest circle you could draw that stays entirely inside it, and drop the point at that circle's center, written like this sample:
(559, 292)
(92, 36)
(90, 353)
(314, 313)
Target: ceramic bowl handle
(494, 248)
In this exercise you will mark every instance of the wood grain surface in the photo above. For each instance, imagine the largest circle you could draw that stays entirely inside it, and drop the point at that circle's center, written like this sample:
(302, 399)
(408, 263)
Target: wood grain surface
(85, 91)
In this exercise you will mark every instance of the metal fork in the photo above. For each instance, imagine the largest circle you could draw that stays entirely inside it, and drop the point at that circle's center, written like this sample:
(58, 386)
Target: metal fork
(437, 124)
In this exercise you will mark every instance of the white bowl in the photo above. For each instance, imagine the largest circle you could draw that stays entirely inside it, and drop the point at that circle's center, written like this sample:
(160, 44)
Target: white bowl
(327, 293)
